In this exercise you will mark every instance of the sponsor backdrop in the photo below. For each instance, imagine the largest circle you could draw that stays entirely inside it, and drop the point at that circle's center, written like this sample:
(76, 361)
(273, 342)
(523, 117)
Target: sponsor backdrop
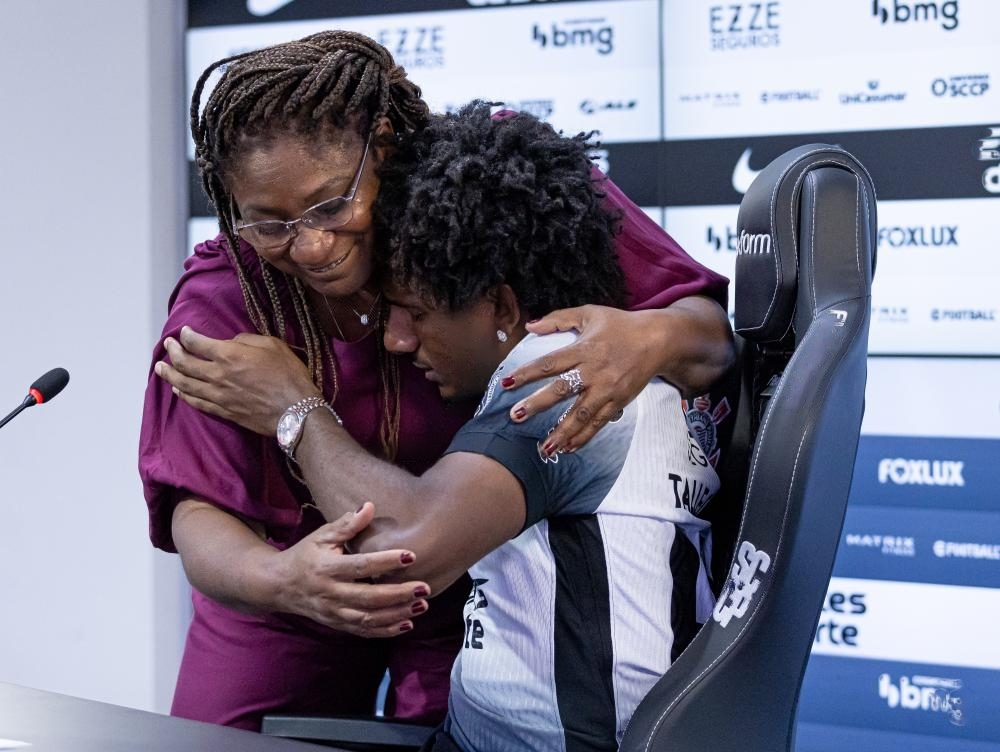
(691, 98)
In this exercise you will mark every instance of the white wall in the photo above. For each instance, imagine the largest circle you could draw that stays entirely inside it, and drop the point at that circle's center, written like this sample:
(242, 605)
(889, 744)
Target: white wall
(92, 205)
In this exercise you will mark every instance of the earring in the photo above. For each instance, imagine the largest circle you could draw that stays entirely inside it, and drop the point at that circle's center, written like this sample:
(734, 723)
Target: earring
(501, 335)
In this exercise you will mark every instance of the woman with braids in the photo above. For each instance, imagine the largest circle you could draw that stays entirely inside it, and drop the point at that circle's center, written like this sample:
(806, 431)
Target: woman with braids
(289, 144)
(588, 566)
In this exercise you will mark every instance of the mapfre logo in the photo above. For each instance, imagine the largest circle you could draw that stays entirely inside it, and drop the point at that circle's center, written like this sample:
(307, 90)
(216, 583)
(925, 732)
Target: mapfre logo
(907, 472)
(594, 33)
(896, 12)
(743, 26)
(414, 46)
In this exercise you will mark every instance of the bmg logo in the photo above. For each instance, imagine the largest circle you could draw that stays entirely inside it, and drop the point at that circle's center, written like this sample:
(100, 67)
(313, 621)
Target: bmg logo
(577, 33)
(916, 12)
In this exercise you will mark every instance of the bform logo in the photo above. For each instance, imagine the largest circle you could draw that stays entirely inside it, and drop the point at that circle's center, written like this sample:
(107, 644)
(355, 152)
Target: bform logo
(917, 12)
(904, 472)
(742, 584)
(928, 693)
(585, 32)
(756, 244)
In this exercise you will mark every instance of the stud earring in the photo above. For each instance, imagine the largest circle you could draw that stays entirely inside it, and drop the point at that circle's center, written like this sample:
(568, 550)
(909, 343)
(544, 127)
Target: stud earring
(501, 335)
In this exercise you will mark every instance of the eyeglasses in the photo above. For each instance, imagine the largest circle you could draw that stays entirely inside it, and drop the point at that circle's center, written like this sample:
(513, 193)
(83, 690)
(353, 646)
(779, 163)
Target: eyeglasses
(327, 216)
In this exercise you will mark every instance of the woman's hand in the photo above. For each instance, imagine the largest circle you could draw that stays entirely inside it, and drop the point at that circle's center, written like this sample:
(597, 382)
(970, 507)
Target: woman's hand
(323, 582)
(688, 343)
(228, 560)
(250, 379)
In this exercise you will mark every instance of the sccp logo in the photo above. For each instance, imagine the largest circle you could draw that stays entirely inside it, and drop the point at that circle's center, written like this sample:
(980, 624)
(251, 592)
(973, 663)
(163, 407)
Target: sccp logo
(898, 12)
(961, 86)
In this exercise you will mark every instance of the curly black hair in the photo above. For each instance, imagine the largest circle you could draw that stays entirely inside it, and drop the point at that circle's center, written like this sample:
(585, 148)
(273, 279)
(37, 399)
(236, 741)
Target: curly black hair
(472, 201)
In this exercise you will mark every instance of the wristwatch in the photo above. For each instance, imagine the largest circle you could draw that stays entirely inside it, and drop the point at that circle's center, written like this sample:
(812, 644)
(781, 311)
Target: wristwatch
(290, 423)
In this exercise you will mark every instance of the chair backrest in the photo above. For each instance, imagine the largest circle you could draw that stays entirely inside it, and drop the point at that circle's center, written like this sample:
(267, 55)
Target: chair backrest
(806, 256)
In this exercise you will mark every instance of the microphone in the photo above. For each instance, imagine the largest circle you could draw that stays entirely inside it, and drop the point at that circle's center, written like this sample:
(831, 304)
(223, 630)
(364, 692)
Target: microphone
(44, 388)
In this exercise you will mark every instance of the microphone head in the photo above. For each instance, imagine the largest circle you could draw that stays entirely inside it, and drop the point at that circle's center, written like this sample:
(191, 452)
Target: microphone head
(49, 384)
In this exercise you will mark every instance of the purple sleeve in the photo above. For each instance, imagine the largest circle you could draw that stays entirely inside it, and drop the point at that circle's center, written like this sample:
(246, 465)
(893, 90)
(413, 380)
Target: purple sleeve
(183, 452)
(657, 270)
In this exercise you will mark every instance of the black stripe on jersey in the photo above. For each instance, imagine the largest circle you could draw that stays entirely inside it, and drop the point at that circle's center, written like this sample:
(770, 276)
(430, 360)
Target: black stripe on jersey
(684, 566)
(583, 650)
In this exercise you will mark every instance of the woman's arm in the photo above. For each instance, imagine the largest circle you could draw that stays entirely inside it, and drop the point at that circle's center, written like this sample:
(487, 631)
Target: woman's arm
(226, 560)
(689, 343)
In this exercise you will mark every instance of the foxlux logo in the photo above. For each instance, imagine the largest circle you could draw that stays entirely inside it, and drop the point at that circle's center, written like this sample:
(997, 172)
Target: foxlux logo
(927, 693)
(923, 237)
(755, 244)
(906, 472)
(583, 32)
(916, 12)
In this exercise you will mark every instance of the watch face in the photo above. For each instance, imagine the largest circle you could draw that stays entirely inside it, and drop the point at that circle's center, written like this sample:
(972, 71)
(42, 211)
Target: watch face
(288, 429)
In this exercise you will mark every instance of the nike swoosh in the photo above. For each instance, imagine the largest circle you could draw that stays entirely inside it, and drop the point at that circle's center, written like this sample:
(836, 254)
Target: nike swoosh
(743, 176)
(265, 7)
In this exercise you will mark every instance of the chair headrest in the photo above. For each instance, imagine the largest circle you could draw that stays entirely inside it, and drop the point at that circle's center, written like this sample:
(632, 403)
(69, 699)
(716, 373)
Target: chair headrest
(768, 241)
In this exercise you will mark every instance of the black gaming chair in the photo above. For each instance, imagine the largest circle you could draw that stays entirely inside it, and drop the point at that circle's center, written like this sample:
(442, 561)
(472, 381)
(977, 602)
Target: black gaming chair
(803, 279)
(804, 268)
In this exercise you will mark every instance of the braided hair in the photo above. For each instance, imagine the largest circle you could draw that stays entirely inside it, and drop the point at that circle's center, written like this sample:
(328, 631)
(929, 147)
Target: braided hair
(314, 88)
(473, 201)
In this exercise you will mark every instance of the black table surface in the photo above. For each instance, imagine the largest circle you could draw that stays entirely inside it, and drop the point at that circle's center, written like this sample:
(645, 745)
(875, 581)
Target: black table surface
(52, 722)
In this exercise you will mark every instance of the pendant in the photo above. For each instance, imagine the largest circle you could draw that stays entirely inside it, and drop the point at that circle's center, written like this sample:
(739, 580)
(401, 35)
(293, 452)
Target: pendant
(363, 318)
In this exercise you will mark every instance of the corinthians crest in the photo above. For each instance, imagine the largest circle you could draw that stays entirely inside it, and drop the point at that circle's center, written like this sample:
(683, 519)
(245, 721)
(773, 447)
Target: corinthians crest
(703, 423)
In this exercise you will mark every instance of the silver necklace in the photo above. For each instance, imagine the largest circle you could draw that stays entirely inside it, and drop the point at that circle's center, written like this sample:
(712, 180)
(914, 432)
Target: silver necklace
(366, 318)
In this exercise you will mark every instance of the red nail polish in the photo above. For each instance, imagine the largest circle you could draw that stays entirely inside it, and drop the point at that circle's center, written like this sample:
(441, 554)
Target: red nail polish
(418, 608)
(520, 413)
(507, 381)
(405, 626)
(406, 557)
(550, 448)
(420, 592)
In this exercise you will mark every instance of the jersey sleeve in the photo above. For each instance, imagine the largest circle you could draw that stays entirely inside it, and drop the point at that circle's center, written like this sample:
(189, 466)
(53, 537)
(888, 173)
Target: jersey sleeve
(657, 270)
(564, 484)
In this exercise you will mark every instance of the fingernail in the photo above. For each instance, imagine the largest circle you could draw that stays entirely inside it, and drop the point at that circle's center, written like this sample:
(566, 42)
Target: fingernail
(418, 608)
(405, 626)
(550, 448)
(507, 381)
(520, 413)
(533, 321)
(406, 558)
(158, 367)
(420, 592)
(360, 509)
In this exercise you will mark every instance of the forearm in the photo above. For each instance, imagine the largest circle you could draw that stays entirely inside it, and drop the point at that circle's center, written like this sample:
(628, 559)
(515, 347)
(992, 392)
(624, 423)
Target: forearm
(342, 476)
(224, 558)
(693, 343)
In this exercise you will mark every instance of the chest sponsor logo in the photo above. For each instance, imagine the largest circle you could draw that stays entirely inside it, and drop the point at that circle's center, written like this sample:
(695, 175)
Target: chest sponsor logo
(895, 12)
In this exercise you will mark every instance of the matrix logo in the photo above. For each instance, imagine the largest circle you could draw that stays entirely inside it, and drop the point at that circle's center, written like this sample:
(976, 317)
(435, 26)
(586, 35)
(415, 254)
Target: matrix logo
(740, 26)
(927, 693)
(905, 472)
(581, 32)
(898, 12)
